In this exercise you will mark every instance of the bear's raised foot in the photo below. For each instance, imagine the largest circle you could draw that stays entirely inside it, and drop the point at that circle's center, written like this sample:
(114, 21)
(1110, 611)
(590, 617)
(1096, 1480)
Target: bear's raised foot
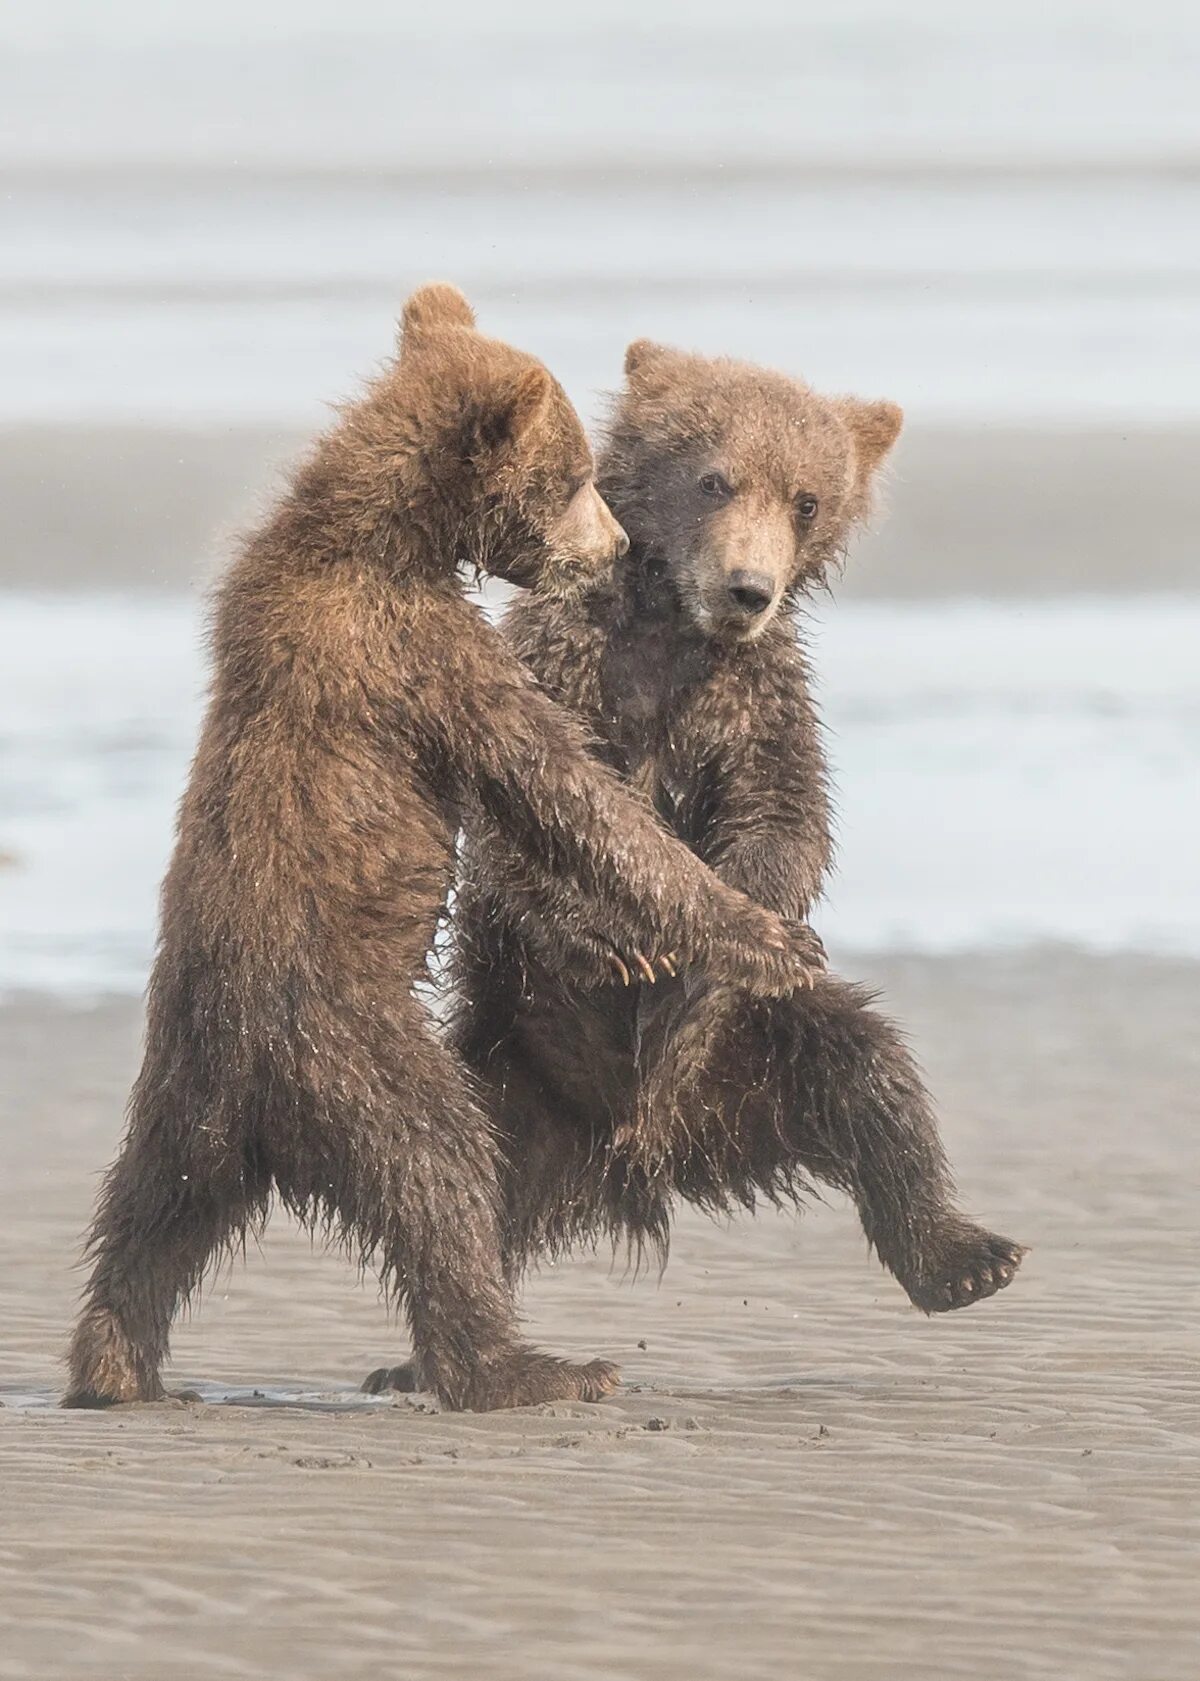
(403, 1379)
(972, 1265)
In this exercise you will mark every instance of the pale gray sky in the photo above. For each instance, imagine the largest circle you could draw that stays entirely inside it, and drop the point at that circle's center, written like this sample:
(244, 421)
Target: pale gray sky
(363, 82)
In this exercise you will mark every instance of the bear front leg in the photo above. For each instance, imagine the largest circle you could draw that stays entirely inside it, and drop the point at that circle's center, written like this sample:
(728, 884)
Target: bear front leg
(524, 763)
(556, 921)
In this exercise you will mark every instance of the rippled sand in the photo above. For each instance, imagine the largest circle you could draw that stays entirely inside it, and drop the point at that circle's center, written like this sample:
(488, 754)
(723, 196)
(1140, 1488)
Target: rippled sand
(801, 1477)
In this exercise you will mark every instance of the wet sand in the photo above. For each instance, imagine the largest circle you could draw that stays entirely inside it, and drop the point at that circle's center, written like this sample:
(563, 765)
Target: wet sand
(801, 1477)
(1001, 511)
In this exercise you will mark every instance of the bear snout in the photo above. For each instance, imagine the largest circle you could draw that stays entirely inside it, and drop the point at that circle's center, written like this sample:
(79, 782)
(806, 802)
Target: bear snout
(751, 593)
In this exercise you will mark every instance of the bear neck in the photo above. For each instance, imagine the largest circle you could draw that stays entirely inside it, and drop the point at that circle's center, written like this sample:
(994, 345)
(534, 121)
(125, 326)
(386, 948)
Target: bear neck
(650, 593)
(379, 509)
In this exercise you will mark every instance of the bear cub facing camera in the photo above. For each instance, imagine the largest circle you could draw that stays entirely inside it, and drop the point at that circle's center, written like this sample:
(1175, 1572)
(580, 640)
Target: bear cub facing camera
(739, 489)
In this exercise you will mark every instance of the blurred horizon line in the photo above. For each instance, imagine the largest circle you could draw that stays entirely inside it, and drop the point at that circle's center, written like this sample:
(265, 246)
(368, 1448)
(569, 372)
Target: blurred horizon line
(614, 171)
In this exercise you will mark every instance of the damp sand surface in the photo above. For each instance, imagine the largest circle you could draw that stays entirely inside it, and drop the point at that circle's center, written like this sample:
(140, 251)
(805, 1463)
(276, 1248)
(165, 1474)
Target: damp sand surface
(801, 1476)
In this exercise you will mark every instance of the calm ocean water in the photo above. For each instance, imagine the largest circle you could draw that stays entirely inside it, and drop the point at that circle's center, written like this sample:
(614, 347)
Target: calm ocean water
(1006, 775)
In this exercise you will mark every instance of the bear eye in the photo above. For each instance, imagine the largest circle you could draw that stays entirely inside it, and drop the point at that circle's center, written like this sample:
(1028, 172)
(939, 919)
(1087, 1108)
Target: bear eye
(806, 506)
(714, 485)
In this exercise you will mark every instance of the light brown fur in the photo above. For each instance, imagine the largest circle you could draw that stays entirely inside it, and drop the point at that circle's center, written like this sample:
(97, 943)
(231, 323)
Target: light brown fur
(613, 1107)
(360, 706)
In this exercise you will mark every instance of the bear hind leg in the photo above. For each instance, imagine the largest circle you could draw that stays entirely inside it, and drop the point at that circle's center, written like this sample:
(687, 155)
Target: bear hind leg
(412, 1182)
(822, 1081)
(864, 1121)
(157, 1229)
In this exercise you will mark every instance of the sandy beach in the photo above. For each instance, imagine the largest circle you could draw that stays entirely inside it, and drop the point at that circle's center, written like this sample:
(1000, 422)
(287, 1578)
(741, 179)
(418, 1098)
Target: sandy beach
(801, 1475)
(1007, 511)
(208, 221)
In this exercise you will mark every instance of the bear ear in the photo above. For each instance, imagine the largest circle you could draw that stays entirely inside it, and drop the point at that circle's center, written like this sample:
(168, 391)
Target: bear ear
(437, 305)
(511, 414)
(647, 364)
(874, 427)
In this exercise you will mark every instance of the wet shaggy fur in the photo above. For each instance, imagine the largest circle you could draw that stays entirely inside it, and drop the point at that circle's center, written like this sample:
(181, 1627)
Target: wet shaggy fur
(360, 705)
(739, 489)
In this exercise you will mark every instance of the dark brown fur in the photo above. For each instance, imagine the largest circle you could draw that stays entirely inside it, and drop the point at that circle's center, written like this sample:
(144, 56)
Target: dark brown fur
(688, 670)
(359, 705)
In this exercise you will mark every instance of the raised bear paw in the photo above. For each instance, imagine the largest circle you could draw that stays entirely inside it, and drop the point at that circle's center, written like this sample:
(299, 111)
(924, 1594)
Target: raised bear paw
(970, 1265)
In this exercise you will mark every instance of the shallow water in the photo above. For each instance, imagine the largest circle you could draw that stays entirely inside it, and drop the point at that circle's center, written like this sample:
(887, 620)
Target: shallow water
(205, 302)
(347, 1398)
(1006, 775)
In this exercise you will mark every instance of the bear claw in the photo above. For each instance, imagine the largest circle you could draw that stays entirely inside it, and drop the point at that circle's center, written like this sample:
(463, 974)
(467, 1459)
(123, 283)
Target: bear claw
(643, 965)
(648, 969)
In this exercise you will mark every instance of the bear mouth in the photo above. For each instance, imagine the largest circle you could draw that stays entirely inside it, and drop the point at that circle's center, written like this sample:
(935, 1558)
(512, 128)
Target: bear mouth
(730, 632)
(721, 625)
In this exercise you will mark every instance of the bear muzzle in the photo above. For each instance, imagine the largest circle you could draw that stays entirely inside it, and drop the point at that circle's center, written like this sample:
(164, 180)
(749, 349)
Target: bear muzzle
(750, 593)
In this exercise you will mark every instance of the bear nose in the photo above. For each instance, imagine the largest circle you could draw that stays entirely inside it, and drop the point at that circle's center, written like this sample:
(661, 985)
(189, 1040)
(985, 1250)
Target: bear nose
(750, 592)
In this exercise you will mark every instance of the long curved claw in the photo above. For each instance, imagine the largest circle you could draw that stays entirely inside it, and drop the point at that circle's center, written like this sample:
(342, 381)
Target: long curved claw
(619, 966)
(647, 972)
(667, 962)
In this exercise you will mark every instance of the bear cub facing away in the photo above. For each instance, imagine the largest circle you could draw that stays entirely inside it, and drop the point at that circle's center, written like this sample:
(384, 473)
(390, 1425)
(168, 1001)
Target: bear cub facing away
(360, 705)
(739, 489)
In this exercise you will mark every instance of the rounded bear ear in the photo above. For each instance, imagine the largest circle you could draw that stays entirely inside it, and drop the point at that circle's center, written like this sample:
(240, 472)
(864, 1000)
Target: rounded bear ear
(644, 359)
(436, 305)
(875, 428)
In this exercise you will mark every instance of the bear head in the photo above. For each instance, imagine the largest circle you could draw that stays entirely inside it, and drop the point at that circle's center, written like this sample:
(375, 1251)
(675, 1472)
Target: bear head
(496, 460)
(741, 484)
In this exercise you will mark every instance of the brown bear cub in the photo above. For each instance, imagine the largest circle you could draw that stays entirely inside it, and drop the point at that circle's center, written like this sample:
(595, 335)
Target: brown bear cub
(360, 706)
(739, 489)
